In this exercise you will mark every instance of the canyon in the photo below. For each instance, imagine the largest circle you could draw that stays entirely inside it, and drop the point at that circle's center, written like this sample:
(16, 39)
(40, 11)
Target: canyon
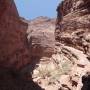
(45, 53)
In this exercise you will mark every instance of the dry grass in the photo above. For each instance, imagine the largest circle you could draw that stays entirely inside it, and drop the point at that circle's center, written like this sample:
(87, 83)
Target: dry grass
(54, 74)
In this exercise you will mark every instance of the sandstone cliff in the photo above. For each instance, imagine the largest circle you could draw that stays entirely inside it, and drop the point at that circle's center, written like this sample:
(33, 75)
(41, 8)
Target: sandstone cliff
(14, 51)
(12, 37)
(73, 24)
(57, 57)
(73, 34)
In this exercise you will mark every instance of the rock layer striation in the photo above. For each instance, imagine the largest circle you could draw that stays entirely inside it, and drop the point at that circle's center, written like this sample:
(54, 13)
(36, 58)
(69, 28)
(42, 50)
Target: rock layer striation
(73, 33)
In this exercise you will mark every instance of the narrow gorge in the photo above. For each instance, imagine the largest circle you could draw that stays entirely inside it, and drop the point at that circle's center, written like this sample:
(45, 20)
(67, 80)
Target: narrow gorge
(45, 53)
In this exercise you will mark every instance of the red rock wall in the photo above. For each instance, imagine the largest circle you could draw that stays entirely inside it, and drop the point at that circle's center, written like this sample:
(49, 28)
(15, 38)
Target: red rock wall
(14, 51)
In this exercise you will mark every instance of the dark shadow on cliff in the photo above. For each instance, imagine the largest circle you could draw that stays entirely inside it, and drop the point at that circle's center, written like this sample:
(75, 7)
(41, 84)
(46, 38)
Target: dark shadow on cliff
(10, 80)
(86, 82)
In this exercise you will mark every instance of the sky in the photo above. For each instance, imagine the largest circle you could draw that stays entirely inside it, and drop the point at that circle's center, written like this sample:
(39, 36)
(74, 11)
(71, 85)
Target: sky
(30, 9)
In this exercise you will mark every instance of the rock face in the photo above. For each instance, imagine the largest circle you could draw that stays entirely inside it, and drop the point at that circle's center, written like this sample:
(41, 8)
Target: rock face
(42, 46)
(51, 62)
(41, 37)
(73, 33)
(57, 61)
(73, 24)
(14, 51)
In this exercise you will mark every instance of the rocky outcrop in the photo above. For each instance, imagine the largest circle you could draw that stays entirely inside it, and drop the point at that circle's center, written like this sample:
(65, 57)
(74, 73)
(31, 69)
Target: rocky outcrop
(73, 27)
(72, 32)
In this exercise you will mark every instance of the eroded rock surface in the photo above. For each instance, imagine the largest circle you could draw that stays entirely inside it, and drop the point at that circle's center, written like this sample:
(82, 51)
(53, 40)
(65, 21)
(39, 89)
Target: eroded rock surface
(57, 61)
(73, 27)
(41, 37)
(72, 32)
(62, 63)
